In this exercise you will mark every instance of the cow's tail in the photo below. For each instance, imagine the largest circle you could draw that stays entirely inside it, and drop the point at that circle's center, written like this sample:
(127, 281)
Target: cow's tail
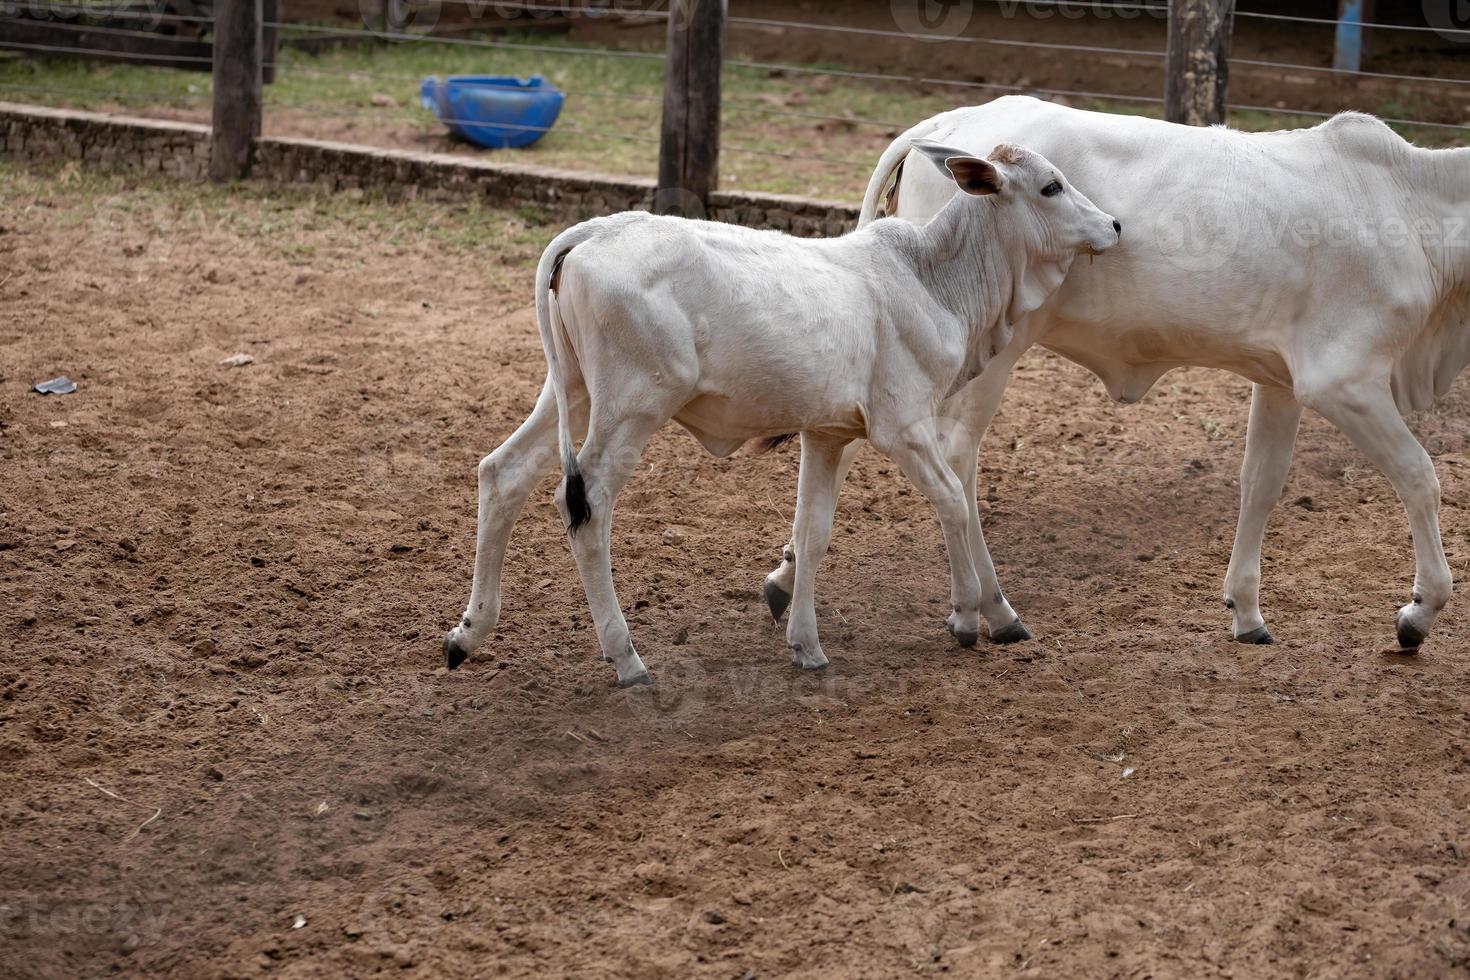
(890, 166)
(559, 357)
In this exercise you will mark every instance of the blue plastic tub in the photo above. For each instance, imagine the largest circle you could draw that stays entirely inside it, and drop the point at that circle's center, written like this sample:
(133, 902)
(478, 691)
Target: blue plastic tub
(495, 111)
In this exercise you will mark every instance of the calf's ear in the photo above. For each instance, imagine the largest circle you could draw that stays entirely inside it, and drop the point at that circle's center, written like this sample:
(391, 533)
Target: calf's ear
(970, 173)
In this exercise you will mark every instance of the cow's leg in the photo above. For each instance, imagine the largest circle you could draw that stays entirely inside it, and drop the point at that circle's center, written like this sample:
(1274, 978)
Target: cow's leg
(607, 460)
(816, 500)
(1269, 438)
(780, 583)
(507, 476)
(917, 452)
(1365, 411)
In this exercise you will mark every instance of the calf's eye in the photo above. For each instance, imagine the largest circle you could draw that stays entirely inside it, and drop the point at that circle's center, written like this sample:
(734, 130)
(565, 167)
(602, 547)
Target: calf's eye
(1052, 189)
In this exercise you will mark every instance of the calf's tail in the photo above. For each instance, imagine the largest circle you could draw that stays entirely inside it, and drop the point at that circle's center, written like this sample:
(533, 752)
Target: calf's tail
(559, 352)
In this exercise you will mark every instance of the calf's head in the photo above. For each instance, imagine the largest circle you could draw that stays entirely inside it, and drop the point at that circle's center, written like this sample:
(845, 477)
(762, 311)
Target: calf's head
(1056, 220)
(1041, 221)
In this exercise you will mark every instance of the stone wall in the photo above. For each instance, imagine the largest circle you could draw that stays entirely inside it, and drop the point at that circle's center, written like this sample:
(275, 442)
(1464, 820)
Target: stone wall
(151, 146)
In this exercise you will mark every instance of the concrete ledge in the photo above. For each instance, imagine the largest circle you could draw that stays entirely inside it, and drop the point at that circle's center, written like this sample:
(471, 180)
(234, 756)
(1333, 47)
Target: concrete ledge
(154, 146)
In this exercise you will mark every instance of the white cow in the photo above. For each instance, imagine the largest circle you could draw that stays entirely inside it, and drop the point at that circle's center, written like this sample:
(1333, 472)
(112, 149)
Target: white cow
(740, 334)
(1329, 266)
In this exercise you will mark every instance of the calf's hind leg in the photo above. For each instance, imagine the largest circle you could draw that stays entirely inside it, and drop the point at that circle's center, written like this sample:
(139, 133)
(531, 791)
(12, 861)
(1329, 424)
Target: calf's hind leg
(506, 478)
(780, 585)
(607, 461)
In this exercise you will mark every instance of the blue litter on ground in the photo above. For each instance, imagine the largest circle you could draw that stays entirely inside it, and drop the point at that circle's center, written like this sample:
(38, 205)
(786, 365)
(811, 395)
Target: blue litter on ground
(495, 111)
(57, 386)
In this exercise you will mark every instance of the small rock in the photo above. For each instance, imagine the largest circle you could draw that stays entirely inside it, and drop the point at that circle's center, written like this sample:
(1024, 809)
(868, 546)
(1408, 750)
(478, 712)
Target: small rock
(1306, 503)
(203, 648)
(681, 636)
(66, 544)
(237, 360)
(383, 100)
(714, 917)
(214, 774)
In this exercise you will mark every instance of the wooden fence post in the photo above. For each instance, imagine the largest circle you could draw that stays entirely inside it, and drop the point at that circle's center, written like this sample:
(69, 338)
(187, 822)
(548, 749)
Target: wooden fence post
(1198, 63)
(238, 49)
(689, 150)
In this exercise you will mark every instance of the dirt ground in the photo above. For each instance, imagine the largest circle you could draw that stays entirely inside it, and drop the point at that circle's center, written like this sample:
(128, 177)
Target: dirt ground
(228, 748)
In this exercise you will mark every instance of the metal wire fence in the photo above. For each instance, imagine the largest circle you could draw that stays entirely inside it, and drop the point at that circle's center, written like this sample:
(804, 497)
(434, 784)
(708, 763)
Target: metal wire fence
(640, 126)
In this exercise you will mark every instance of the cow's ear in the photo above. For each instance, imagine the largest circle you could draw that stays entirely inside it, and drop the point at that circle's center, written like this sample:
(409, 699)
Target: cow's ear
(973, 175)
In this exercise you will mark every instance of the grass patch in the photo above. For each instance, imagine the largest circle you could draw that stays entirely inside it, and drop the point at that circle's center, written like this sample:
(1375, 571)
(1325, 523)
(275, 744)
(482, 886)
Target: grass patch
(283, 216)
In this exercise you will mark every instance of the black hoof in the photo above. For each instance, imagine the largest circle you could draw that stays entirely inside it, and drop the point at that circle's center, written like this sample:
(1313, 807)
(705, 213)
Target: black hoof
(965, 638)
(1410, 636)
(453, 655)
(777, 599)
(1014, 633)
(1260, 637)
(644, 679)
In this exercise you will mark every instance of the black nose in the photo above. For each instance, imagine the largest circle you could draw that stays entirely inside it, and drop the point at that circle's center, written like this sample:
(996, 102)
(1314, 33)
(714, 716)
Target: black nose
(1118, 227)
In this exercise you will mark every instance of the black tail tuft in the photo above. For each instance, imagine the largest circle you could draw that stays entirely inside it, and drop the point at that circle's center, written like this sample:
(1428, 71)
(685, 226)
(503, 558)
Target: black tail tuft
(578, 510)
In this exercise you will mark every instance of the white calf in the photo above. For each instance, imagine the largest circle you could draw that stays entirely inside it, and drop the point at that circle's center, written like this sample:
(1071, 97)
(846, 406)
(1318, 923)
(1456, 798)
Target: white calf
(739, 334)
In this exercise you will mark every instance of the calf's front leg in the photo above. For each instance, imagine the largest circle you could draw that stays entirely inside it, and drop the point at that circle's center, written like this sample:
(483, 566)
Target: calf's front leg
(917, 452)
(816, 501)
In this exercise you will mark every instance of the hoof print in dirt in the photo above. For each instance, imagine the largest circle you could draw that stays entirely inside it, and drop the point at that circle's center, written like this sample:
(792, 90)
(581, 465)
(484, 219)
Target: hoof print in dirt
(1257, 637)
(1014, 633)
(453, 654)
